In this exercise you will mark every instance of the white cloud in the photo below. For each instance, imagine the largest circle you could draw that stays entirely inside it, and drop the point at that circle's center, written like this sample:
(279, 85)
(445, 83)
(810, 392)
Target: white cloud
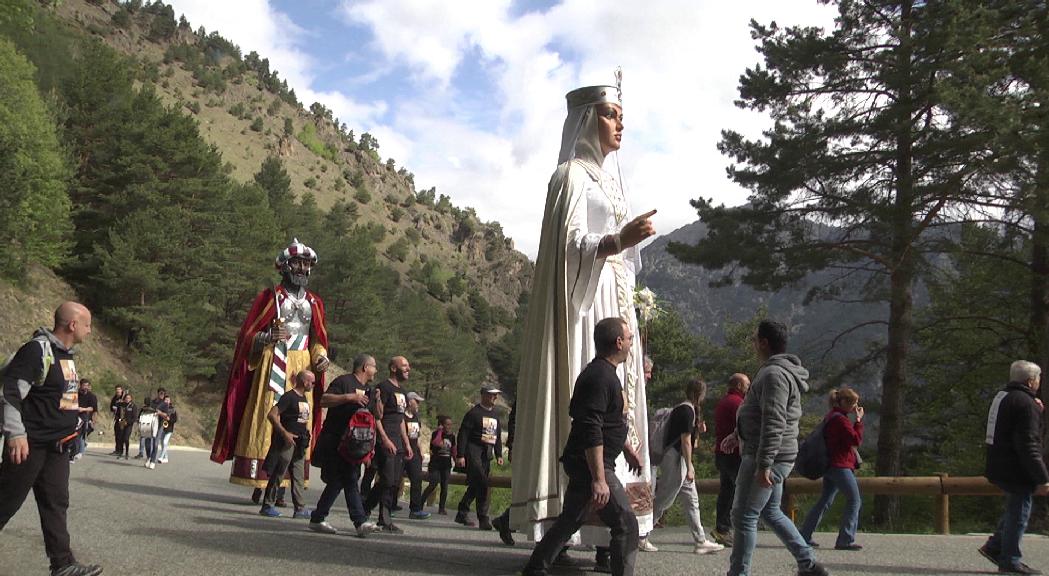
(681, 60)
(255, 25)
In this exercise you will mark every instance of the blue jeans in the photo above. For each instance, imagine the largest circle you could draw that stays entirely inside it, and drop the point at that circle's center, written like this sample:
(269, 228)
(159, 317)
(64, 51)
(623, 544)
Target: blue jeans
(1006, 538)
(165, 439)
(835, 479)
(751, 501)
(346, 482)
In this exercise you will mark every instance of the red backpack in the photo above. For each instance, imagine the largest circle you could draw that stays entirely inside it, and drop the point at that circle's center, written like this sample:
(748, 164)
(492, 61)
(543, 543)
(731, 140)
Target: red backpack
(357, 445)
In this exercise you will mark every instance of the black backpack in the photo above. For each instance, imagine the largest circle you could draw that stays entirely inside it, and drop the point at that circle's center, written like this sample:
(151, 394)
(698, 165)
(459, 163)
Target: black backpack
(813, 459)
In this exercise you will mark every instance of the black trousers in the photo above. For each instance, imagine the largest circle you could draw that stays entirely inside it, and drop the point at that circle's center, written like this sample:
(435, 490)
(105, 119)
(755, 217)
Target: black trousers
(414, 470)
(368, 478)
(617, 515)
(440, 472)
(478, 466)
(384, 495)
(46, 472)
(124, 440)
(728, 467)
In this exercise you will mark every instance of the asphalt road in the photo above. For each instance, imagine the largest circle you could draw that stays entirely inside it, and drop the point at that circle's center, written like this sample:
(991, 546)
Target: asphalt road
(185, 518)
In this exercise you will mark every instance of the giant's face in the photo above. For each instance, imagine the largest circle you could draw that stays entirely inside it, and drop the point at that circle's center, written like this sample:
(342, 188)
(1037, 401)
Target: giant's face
(297, 271)
(609, 126)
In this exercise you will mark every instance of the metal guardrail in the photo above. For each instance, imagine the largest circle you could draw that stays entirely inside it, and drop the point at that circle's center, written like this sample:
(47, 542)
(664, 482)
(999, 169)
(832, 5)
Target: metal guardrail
(942, 487)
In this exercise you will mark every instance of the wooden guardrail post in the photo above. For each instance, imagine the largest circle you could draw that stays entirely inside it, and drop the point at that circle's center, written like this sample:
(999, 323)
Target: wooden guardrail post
(788, 505)
(943, 507)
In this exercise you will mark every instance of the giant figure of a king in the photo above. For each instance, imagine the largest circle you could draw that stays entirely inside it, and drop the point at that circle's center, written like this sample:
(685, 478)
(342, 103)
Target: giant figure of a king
(283, 334)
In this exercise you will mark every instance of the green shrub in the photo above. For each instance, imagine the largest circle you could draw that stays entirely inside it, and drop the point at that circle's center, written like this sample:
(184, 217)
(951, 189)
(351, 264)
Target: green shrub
(398, 250)
(121, 18)
(362, 196)
(309, 138)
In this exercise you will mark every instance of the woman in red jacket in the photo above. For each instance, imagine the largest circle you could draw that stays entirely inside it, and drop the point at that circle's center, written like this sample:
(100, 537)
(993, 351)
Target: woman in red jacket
(842, 437)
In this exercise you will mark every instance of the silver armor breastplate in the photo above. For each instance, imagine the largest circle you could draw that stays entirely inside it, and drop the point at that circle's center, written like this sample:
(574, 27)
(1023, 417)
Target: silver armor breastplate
(297, 314)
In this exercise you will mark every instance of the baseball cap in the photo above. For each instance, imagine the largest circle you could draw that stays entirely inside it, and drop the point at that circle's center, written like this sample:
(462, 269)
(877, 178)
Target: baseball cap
(490, 390)
(415, 396)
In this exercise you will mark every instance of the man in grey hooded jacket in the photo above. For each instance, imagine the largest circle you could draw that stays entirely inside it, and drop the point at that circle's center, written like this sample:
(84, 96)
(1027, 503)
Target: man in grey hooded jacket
(767, 432)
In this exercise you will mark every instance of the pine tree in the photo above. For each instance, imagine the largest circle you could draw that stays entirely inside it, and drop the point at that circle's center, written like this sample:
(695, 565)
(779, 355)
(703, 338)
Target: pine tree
(34, 207)
(862, 164)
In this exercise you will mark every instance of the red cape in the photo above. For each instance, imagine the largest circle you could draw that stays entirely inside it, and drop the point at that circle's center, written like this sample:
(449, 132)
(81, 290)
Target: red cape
(240, 377)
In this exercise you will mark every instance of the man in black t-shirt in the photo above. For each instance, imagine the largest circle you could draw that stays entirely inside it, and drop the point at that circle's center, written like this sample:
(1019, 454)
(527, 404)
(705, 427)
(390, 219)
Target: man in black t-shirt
(413, 467)
(597, 436)
(88, 405)
(480, 440)
(291, 435)
(41, 414)
(345, 396)
(389, 404)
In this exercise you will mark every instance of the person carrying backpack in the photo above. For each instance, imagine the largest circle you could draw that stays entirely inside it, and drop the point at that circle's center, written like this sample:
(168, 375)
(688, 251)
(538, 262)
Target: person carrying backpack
(345, 397)
(842, 437)
(40, 421)
(677, 477)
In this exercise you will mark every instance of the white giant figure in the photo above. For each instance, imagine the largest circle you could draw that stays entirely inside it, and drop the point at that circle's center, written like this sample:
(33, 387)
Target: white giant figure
(585, 271)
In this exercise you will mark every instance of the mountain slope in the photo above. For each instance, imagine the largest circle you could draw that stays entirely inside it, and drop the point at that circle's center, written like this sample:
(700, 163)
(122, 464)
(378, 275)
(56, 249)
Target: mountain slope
(705, 309)
(208, 78)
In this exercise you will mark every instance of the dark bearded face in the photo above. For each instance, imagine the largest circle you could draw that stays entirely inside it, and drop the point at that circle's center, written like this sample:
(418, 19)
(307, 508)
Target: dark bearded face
(297, 272)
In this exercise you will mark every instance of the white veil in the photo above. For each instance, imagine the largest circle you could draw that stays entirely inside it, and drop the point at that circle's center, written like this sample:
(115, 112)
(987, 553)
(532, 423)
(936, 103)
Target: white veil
(580, 140)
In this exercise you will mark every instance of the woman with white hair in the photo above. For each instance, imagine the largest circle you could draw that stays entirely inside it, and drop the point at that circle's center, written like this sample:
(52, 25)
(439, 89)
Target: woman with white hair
(585, 271)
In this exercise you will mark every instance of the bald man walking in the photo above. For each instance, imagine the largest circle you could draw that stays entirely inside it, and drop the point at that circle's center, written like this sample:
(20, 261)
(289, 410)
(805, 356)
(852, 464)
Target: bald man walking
(41, 415)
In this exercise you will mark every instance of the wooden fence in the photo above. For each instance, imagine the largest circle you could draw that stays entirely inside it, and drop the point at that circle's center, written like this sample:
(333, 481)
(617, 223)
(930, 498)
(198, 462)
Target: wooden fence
(941, 487)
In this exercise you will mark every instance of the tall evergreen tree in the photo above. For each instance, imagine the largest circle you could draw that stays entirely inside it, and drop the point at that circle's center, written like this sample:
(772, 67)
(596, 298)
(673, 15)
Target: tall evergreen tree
(1000, 87)
(34, 207)
(860, 167)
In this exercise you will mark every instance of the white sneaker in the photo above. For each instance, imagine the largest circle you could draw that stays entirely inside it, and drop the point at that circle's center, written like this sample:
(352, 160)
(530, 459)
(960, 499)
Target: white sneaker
(366, 528)
(645, 546)
(162, 461)
(707, 547)
(323, 528)
(151, 465)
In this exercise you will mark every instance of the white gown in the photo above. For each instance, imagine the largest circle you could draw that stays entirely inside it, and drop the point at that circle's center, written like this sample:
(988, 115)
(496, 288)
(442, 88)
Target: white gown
(573, 290)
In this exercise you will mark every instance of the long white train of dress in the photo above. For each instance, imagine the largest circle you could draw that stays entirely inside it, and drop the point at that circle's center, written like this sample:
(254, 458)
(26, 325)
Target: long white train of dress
(573, 290)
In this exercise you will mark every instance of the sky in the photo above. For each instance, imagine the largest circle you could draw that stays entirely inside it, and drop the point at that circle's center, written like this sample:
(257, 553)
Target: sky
(468, 95)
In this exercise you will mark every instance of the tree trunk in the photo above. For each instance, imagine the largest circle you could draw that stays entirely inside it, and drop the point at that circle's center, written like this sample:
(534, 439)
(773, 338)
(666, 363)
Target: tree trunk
(890, 430)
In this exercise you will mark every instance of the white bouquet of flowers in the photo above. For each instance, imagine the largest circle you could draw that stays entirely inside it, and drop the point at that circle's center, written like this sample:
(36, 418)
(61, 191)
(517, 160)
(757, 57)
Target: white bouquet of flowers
(645, 302)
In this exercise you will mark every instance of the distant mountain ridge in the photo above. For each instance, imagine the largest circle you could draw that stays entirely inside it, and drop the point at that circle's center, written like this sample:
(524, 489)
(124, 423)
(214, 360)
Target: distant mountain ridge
(705, 309)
